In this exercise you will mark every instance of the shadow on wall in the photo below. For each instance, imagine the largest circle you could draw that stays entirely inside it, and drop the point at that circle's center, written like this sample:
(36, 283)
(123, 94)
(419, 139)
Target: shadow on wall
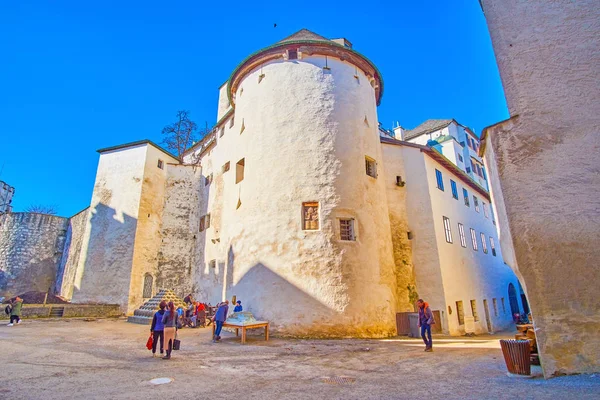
(104, 271)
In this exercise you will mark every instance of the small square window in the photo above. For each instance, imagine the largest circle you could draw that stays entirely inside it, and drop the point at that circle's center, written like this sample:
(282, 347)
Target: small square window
(160, 164)
(310, 216)
(212, 264)
(371, 167)
(226, 167)
(347, 229)
(293, 54)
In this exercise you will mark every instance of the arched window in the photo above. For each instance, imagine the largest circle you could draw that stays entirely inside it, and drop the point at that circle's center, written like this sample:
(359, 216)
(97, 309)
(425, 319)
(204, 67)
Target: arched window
(147, 286)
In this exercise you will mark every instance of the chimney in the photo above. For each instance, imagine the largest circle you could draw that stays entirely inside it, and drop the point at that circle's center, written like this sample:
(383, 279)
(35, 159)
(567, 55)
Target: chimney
(399, 132)
(343, 41)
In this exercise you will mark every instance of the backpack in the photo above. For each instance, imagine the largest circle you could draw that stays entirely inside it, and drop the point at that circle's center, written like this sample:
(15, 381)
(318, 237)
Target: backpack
(8, 309)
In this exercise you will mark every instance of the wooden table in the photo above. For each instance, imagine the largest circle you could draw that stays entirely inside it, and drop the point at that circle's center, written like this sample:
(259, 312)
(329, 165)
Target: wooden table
(244, 327)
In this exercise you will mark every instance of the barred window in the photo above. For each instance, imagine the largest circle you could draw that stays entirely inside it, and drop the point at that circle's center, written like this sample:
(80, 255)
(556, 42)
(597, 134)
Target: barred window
(371, 167)
(347, 229)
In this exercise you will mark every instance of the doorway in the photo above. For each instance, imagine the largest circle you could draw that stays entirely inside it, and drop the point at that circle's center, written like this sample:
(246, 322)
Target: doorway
(512, 299)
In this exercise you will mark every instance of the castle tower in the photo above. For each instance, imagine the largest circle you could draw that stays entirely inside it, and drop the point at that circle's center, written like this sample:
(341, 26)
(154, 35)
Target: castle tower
(299, 223)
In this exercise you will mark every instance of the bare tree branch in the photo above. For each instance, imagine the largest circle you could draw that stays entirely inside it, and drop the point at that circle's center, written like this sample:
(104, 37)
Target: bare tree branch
(180, 135)
(42, 209)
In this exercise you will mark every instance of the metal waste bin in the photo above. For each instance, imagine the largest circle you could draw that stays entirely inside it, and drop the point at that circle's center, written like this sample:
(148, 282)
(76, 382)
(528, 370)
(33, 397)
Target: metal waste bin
(413, 321)
(516, 356)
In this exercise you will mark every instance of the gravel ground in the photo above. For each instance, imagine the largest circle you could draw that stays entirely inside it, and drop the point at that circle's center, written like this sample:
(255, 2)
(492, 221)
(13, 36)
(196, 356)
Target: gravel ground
(107, 359)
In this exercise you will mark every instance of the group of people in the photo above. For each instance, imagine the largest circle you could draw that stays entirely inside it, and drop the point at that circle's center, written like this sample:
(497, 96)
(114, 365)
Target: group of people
(14, 310)
(167, 320)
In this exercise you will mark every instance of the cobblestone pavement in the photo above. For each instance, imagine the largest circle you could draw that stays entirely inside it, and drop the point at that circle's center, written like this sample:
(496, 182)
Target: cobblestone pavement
(107, 359)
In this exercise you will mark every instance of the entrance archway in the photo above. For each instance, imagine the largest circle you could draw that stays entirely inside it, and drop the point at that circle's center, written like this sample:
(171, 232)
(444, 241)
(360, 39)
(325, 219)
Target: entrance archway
(512, 299)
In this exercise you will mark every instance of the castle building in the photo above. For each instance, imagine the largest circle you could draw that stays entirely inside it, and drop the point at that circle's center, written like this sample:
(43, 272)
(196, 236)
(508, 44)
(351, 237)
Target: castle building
(299, 204)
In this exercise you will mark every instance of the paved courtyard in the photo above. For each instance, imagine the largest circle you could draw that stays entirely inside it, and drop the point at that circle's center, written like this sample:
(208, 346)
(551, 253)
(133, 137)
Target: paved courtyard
(107, 359)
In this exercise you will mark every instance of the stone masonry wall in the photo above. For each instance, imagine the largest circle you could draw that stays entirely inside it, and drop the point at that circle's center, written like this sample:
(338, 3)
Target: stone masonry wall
(31, 247)
(65, 278)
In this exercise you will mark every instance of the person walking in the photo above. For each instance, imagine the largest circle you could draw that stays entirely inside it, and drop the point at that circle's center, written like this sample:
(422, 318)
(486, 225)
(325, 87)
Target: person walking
(219, 319)
(169, 320)
(158, 329)
(425, 321)
(15, 312)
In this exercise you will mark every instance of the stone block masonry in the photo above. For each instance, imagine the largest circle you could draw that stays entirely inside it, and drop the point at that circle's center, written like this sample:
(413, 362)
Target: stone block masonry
(31, 246)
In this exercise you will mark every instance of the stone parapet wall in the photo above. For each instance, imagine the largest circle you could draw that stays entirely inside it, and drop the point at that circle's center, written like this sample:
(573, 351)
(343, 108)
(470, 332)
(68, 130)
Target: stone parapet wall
(70, 311)
(31, 247)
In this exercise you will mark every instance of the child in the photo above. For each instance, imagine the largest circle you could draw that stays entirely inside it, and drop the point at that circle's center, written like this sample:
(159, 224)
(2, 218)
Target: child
(15, 312)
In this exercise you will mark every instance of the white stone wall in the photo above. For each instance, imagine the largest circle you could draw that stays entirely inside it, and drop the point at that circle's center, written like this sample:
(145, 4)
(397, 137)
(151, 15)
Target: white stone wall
(546, 160)
(304, 139)
(65, 277)
(31, 246)
(104, 269)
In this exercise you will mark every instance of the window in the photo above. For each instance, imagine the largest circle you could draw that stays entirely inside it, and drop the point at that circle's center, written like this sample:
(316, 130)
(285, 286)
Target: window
(460, 158)
(461, 232)
(454, 189)
(231, 122)
(493, 246)
(222, 131)
(147, 292)
(483, 243)
(347, 229)
(460, 312)
(226, 167)
(371, 167)
(447, 230)
(503, 306)
(478, 170)
(292, 54)
(207, 180)
(473, 167)
(466, 197)
(239, 170)
(476, 203)
(202, 223)
(473, 144)
(474, 310)
(495, 302)
(468, 170)
(474, 239)
(485, 210)
(310, 216)
(160, 164)
(212, 264)
(207, 223)
(440, 180)
(483, 174)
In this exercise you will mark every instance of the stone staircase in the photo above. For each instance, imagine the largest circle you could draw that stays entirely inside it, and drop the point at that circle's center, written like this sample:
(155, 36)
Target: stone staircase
(144, 314)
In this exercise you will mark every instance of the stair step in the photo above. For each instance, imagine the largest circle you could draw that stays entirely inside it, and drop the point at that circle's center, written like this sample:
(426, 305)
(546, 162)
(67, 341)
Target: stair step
(57, 312)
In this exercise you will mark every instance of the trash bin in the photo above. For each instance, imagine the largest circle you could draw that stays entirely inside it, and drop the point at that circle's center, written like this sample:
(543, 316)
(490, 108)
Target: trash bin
(413, 321)
(516, 356)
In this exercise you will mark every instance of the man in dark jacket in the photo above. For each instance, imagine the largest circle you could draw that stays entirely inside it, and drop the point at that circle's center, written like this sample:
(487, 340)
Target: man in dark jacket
(219, 318)
(425, 322)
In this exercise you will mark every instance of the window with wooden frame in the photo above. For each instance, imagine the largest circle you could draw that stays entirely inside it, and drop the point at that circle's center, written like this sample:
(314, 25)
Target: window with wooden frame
(474, 310)
(460, 313)
(310, 216)
(371, 167)
(226, 167)
(474, 239)
(347, 229)
(447, 230)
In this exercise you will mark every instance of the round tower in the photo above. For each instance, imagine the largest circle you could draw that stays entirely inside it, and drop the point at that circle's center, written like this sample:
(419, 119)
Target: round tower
(309, 239)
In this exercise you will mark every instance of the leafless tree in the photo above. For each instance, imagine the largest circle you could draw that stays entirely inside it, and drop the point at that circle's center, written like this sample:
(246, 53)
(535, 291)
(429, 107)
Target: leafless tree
(180, 135)
(42, 209)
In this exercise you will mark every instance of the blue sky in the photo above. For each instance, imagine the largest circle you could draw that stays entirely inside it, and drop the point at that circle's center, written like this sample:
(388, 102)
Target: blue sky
(77, 76)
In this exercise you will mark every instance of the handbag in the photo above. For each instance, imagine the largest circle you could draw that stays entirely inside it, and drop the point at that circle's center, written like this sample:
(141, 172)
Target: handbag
(149, 343)
(176, 343)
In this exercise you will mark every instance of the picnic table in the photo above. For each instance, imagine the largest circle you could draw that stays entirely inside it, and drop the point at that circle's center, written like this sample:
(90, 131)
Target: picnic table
(244, 326)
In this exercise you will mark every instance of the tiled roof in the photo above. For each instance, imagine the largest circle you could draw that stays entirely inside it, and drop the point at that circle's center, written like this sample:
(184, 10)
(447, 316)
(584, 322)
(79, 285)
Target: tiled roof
(431, 125)
(304, 34)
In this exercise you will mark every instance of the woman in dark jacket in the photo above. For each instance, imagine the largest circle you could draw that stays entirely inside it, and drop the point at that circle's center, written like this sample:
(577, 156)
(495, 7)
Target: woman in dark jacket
(169, 320)
(157, 329)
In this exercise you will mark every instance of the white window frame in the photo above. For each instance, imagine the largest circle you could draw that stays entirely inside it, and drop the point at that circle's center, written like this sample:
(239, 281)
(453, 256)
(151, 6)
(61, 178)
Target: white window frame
(447, 229)
(461, 232)
(351, 229)
(493, 246)
(483, 242)
(474, 239)
(476, 203)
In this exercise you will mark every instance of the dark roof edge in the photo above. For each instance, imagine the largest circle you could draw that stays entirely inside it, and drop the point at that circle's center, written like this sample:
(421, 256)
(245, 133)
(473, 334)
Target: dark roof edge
(137, 143)
(444, 161)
